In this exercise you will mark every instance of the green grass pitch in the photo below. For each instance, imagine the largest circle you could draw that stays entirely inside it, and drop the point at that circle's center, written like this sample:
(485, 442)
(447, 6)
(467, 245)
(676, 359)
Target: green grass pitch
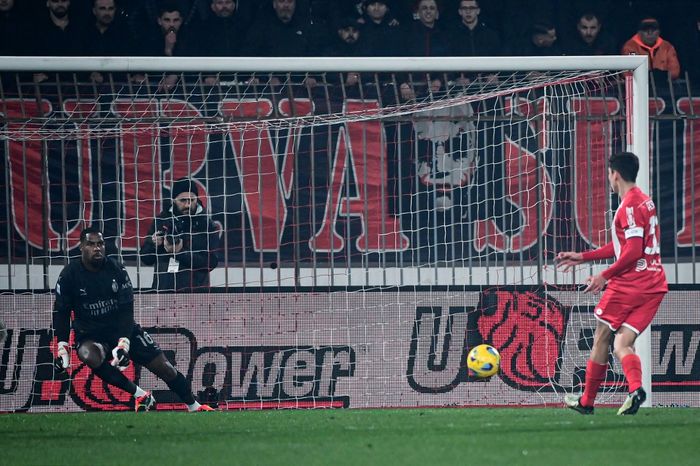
(668, 436)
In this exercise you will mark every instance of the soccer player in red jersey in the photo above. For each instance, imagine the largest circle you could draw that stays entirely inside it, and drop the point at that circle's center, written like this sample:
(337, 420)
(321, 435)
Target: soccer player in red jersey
(636, 284)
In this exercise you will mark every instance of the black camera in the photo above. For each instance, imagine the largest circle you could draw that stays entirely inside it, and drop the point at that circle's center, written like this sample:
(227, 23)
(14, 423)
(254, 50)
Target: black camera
(168, 236)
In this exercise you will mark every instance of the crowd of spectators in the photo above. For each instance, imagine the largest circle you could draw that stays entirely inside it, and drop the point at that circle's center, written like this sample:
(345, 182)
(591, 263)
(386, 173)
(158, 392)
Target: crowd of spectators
(354, 28)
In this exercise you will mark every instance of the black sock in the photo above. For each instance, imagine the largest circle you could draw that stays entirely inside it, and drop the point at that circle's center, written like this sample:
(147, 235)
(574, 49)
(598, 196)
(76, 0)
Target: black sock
(113, 376)
(182, 388)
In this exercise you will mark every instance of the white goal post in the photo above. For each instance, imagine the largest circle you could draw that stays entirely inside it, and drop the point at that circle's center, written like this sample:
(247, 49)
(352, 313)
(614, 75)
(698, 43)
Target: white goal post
(536, 271)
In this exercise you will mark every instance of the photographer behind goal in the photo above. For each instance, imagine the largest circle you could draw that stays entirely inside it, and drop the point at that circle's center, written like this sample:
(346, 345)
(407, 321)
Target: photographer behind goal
(181, 242)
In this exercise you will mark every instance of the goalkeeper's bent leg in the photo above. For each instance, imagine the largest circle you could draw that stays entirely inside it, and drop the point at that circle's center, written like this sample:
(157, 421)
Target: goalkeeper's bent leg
(182, 388)
(177, 382)
(114, 376)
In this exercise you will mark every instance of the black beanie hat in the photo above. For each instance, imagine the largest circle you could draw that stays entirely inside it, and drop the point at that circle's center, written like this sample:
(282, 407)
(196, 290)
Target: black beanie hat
(184, 185)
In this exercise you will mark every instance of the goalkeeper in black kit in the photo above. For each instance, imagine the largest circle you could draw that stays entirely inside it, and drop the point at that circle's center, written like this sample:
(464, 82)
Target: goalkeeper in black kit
(98, 291)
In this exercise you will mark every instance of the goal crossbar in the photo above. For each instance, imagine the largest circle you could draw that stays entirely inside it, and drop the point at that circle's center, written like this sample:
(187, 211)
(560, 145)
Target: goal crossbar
(322, 64)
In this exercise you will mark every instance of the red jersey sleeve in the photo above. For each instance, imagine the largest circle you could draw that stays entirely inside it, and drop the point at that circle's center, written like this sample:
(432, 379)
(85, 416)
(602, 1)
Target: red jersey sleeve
(631, 253)
(604, 252)
(635, 220)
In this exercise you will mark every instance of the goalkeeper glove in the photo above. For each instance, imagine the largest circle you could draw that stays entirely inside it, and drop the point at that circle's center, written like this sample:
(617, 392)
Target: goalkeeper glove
(62, 361)
(120, 354)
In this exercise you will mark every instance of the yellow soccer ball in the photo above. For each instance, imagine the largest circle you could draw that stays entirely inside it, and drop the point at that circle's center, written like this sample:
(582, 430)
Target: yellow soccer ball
(483, 361)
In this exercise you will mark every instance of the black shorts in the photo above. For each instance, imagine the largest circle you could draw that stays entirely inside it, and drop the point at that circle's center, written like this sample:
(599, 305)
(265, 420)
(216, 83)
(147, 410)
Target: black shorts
(142, 348)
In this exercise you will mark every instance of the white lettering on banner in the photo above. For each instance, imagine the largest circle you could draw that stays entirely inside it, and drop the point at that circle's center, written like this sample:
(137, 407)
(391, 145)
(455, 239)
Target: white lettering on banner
(684, 354)
(273, 373)
(265, 379)
(360, 350)
(299, 374)
(210, 369)
(334, 364)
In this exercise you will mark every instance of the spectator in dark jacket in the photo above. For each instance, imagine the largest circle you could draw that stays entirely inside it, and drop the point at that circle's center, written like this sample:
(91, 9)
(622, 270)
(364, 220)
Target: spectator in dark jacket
(55, 33)
(223, 33)
(168, 38)
(380, 32)
(283, 34)
(425, 36)
(142, 14)
(542, 41)
(12, 29)
(591, 39)
(181, 243)
(688, 48)
(12, 38)
(471, 37)
(347, 41)
(105, 37)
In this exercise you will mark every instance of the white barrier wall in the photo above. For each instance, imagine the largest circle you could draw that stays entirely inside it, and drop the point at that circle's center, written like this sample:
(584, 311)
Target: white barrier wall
(353, 349)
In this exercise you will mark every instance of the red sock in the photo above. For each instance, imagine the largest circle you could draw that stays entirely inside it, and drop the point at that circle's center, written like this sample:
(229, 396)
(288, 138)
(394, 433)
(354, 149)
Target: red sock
(632, 367)
(595, 374)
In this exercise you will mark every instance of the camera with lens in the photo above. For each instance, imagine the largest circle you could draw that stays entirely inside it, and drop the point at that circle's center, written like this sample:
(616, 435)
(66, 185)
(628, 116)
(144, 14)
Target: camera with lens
(170, 237)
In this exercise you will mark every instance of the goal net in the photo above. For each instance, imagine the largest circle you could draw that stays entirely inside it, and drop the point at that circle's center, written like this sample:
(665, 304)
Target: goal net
(366, 222)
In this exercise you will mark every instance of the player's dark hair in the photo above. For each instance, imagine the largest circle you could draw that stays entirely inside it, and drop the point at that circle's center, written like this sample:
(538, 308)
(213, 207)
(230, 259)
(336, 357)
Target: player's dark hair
(626, 164)
(541, 27)
(95, 1)
(416, 3)
(86, 231)
(589, 16)
(475, 1)
(168, 6)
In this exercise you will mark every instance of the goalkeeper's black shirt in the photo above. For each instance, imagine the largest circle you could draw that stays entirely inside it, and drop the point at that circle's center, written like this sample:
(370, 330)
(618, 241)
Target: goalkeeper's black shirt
(103, 301)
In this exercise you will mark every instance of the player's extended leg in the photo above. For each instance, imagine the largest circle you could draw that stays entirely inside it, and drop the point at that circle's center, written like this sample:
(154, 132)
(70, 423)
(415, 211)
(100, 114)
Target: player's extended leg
(177, 382)
(95, 357)
(596, 369)
(597, 365)
(632, 367)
